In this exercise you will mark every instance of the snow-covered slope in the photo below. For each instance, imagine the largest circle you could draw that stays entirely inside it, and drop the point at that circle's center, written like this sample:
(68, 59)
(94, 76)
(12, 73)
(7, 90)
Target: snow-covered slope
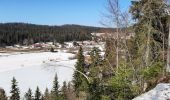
(160, 92)
(34, 69)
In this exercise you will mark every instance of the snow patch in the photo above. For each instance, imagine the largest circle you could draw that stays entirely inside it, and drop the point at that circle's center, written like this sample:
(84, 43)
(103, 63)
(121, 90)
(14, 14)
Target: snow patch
(34, 69)
(160, 92)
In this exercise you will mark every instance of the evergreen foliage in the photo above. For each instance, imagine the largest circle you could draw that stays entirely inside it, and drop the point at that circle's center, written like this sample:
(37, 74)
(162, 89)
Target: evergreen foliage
(55, 86)
(38, 95)
(148, 47)
(141, 59)
(46, 95)
(95, 90)
(151, 28)
(15, 93)
(22, 33)
(95, 56)
(64, 91)
(79, 81)
(121, 84)
(55, 90)
(28, 95)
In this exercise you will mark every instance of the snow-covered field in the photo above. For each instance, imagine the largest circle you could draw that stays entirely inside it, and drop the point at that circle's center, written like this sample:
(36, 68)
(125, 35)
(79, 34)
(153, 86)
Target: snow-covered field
(160, 92)
(34, 69)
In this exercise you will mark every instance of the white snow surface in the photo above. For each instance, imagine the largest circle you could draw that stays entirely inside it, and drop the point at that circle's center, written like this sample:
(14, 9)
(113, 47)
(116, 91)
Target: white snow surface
(160, 92)
(34, 69)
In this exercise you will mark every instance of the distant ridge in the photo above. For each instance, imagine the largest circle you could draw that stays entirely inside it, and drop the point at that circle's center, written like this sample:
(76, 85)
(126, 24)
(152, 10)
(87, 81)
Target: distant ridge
(17, 33)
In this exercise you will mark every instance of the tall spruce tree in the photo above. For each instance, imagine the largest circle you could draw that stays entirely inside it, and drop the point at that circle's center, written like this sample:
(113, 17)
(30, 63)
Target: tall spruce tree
(150, 28)
(151, 33)
(64, 91)
(28, 95)
(38, 95)
(55, 89)
(14, 90)
(55, 85)
(79, 80)
(46, 95)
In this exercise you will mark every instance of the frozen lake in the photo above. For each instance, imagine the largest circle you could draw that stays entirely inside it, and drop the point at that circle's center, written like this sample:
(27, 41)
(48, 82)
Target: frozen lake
(34, 69)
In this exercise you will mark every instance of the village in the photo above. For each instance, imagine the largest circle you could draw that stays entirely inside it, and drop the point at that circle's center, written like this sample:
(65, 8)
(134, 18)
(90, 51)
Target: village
(98, 40)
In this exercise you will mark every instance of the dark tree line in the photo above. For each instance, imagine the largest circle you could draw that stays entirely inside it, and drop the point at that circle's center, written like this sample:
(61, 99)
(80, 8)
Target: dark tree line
(18, 33)
(65, 93)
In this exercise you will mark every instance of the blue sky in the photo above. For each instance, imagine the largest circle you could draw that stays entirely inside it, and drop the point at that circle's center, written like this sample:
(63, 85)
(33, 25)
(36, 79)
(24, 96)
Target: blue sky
(55, 12)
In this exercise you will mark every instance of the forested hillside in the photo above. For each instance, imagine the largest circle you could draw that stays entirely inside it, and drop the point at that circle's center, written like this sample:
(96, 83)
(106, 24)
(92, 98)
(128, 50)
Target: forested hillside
(17, 33)
(122, 70)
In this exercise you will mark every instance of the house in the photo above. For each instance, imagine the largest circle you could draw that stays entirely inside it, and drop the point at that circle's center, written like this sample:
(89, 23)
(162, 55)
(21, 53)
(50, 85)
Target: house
(104, 36)
(37, 45)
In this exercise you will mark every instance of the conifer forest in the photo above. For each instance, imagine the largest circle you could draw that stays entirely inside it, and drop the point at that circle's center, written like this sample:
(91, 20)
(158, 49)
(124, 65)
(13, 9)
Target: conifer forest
(128, 58)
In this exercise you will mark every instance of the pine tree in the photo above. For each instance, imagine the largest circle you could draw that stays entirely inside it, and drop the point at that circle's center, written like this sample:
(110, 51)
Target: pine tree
(2, 94)
(64, 91)
(37, 94)
(151, 29)
(95, 91)
(46, 94)
(150, 36)
(14, 90)
(28, 95)
(95, 56)
(55, 89)
(79, 81)
(55, 93)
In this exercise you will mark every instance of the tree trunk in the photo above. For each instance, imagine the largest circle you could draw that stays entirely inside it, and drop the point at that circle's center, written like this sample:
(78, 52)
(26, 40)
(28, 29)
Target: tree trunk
(147, 58)
(168, 53)
(117, 51)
